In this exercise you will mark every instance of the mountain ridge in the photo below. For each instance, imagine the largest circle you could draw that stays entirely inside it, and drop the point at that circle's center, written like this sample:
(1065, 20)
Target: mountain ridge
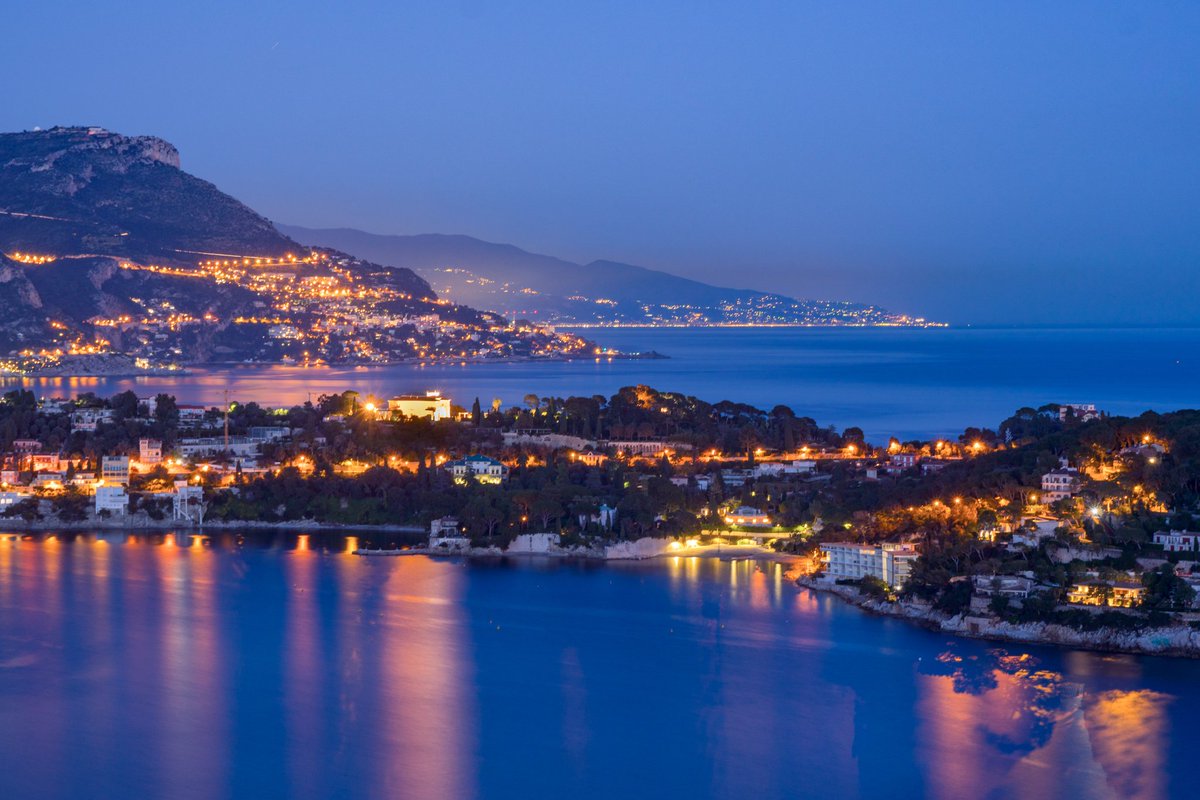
(107, 247)
(518, 282)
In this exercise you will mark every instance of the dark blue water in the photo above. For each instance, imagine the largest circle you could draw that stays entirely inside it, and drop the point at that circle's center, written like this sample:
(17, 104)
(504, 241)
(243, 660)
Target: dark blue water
(889, 381)
(178, 668)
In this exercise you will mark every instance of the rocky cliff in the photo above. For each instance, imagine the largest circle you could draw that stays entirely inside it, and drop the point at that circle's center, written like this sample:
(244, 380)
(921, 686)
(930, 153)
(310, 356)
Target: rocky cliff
(90, 191)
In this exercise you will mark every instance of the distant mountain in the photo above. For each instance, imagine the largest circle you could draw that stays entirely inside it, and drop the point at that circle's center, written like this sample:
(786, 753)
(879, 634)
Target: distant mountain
(108, 247)
(517, 283)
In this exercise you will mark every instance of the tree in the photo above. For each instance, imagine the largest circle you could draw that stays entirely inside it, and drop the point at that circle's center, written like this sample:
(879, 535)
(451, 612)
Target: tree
(956, 598)
(166, 414)
(874, 588)
(481, 514)
(476, 413)
(124, 406)
(547, 509)
(28, 509)
(71, 506)
(1165, 590)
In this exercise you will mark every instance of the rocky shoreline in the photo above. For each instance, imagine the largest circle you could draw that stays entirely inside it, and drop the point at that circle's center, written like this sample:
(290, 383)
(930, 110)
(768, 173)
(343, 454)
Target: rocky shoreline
(1177, 641)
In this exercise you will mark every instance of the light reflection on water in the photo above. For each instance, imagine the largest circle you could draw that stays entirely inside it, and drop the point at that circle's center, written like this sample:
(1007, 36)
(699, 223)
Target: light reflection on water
(187, 666)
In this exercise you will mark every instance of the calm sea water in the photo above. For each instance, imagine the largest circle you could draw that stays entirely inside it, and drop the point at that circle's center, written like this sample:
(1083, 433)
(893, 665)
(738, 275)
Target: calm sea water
(888, 381)
(182, 669)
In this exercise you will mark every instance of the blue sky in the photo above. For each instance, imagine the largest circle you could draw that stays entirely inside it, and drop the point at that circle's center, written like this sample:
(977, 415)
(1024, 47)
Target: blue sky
(987, 163)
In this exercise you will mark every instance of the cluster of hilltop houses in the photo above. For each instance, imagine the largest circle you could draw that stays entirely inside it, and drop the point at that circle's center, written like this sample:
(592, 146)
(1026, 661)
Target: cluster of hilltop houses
(27, 471)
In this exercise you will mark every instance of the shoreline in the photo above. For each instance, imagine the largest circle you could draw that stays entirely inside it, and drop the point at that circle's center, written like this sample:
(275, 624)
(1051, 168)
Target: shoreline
(1173, 642)
(18, 526)
(644, 549)
(190, 369)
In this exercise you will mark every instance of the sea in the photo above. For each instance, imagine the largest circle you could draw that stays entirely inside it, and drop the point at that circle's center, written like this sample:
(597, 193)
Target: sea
(177, 666)
(903, 382)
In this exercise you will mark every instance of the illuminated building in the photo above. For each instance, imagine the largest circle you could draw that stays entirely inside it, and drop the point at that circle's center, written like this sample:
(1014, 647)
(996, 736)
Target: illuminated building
(1099, 593)
(430, 405)
(1061, 483)
(114, 469)
(890, 563)
(478, 468)
(748, 517)
(149, 452)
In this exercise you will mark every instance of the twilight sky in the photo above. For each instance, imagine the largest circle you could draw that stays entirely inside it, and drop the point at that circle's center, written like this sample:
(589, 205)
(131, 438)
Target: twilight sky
(987, 163)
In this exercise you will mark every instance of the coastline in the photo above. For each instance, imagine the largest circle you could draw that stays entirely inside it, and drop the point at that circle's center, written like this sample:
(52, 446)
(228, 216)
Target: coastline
(1176, 641)
(19, 526)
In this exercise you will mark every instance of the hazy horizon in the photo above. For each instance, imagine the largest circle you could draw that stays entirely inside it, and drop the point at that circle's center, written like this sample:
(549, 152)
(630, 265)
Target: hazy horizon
(1015, 165)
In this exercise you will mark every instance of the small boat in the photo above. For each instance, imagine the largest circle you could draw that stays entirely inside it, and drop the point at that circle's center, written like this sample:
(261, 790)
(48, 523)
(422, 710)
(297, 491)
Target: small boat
(362, 552)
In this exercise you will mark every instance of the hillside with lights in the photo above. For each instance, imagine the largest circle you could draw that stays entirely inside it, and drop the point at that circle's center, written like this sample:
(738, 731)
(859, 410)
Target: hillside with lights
(115, 260)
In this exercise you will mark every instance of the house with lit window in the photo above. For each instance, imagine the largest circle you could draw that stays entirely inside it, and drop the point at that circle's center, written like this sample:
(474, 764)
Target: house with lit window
(1121, 594)
(431, 405)
(114, 469)
(479, 468)
(1061, 483)
(747, 517)
(150, 452)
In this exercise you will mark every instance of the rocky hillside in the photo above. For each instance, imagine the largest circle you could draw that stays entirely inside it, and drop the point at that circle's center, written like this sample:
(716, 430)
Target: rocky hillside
(89, 191)
(108, 247)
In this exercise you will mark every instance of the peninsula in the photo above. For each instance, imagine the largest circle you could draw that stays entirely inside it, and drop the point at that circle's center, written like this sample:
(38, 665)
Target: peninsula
(1062, 524)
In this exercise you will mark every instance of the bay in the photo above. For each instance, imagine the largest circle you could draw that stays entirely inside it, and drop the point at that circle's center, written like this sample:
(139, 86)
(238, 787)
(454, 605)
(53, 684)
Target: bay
(187, 667)
(910, 383)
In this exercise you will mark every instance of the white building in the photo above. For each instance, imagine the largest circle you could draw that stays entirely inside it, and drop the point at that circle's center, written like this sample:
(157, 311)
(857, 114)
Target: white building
(1059, 484)
(890, 563)
(534, 543)
(781, 468)
(736, 477)
(112, 499)
(268, 433)
(444, 534)
(550, 440)
(185, 500)
(430, 405)
(215, 445)
(9, 498)
(190, 415)
(1002, 586)
(479, 468)
(1032, 531)
(647, 448)
(86, 419)
(115, 469)
(1176, 541)
(149, 452)
(1082, 412)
